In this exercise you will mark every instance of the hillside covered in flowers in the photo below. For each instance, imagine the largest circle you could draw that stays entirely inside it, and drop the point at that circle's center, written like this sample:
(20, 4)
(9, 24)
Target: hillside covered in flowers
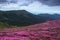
(49, 30)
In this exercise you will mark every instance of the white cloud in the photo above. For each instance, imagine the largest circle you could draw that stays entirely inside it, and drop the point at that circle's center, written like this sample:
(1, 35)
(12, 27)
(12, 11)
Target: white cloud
(15, 6)
(9, 6)
(35, 7)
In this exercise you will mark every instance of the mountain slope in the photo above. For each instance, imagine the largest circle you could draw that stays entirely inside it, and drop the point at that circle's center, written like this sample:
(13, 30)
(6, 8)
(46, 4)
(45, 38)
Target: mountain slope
(25, 18)
(19, 17)
(33, 32)
(50, 16)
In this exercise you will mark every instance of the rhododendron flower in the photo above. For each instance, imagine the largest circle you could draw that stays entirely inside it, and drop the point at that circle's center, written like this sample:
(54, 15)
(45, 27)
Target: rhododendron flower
(24, 38)
(52, 39)
(58, 37)
(45, 35)
(52, 32)
(45, 29)
(22, 32)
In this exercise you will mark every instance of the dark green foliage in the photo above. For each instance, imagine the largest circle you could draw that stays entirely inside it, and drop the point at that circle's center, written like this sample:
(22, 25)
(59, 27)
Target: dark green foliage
(19, 18)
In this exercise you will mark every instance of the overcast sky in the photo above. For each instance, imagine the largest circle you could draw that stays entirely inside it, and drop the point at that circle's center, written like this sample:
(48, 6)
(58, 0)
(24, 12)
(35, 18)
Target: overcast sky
(34, 6)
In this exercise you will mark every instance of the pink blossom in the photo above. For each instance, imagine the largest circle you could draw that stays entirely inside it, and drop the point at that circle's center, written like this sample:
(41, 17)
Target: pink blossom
(52, 32)
(52, 39)
(45, 35)
(45, 29)
(58, 37)
(23, 32)
(24, 38)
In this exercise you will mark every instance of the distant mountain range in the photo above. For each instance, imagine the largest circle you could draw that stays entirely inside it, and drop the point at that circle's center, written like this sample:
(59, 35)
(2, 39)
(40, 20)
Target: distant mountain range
(50, 16)
(24, 18)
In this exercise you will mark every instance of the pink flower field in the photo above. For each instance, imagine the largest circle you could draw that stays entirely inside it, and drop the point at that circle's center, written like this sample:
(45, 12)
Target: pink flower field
(49, 30)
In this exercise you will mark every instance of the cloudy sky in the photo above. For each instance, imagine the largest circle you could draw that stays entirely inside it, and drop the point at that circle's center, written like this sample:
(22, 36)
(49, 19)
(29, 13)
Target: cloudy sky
(34, 6)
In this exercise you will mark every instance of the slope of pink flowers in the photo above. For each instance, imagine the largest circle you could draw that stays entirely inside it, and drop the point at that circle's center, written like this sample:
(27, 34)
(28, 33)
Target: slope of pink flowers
(49, 30)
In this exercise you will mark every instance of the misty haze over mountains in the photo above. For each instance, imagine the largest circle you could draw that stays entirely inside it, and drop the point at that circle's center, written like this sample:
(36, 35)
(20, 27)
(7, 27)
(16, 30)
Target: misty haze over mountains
(51, 16)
